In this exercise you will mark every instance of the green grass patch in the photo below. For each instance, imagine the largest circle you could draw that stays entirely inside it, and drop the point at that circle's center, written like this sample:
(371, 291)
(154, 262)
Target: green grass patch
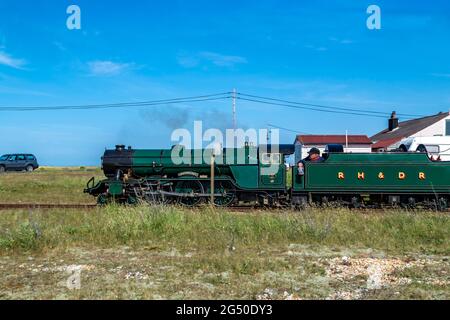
(395, 231)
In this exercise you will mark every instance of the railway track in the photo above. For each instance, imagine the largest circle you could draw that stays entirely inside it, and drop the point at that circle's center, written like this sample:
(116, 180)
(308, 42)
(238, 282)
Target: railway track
(10, 206)
(47, 206)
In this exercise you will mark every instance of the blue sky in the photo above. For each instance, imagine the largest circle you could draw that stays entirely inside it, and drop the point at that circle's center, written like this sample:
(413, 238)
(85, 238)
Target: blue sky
(310, 51)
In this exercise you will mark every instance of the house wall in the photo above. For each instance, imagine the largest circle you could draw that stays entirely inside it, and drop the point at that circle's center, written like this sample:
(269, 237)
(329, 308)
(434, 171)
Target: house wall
(436, 129)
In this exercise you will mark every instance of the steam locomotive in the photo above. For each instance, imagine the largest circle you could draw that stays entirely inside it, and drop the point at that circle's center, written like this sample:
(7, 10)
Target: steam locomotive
(257, 175)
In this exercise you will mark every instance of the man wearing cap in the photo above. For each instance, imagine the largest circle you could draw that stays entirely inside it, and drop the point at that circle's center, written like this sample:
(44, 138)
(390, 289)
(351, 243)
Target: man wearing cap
(313, 156)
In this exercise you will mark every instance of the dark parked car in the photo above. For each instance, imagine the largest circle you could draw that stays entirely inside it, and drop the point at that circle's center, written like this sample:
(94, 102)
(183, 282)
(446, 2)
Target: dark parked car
(18, 162)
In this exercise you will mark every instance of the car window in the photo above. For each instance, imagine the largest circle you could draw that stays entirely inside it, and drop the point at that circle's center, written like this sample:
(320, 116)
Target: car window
(20, 158)
(3, 158)
(432, 148)
(12, 158)
(30, 157)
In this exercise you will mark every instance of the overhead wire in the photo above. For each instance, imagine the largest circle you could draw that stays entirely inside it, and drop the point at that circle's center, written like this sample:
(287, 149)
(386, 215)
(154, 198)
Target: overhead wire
(214, 97)
(326, 106)
(210, 97)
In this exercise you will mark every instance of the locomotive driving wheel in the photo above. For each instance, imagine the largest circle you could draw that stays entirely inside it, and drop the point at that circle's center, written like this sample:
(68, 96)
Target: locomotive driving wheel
(156, 193)
(227, 191)
(190, 188)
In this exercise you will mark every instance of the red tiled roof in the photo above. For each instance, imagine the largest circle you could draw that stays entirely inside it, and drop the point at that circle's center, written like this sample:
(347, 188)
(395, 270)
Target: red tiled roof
(333, 139)
(385, 143)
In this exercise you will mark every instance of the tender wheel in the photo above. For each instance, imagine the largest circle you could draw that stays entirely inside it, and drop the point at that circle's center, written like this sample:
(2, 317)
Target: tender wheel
(29, 168)
(190, 188)
(442, 204)
(356, 203)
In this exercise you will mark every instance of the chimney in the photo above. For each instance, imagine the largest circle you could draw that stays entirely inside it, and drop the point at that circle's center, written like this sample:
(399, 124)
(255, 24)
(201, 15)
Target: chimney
(393, 121)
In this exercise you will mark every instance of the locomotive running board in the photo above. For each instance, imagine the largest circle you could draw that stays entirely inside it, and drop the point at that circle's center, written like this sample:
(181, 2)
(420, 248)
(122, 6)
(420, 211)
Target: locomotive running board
(190, 195)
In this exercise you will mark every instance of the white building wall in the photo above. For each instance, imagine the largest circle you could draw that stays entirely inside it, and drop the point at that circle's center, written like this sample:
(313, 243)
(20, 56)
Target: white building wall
(436, 129)
(364, 148)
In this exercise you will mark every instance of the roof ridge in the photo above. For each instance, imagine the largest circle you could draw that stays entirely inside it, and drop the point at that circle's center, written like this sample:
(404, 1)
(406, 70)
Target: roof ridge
(431, 116)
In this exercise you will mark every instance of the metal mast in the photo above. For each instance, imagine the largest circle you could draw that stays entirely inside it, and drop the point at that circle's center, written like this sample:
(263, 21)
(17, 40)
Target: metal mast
(234, 110)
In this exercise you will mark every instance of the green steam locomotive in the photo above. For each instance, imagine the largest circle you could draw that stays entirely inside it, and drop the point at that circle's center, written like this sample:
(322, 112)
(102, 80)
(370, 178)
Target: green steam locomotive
(259, 176)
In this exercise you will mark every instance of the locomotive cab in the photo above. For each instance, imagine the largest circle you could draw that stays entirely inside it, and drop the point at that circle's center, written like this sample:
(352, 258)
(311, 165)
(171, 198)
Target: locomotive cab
(299, 171)
(272, 169)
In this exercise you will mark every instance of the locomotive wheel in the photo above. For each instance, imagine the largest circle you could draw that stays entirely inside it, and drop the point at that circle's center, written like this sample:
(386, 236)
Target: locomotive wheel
(228, 193)
(102, 200)
(166, 199)
(158, 198)
(190, 187)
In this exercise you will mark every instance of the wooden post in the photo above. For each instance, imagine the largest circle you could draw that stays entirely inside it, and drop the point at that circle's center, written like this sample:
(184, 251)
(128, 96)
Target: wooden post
(212, 177)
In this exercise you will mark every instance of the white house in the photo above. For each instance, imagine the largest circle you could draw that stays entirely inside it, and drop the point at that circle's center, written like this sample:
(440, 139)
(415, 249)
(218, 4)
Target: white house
(389, 139)
(351, 143)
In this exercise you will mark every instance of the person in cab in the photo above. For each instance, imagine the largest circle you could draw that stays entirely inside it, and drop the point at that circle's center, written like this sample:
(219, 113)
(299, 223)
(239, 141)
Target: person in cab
(313, 156)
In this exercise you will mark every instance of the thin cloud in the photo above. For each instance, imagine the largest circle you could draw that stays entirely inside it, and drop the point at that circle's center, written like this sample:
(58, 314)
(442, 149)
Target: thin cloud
(316, 48)
(341, 41)
(441, 75)
(188, 62)
(208, 57)
(59, 45)
(9, 61)
(222, 60)
(108, 68)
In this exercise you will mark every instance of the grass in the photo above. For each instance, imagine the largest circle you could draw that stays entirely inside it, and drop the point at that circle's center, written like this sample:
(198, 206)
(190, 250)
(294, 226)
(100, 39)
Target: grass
(175, 253)
(47, 185)
(394, 231)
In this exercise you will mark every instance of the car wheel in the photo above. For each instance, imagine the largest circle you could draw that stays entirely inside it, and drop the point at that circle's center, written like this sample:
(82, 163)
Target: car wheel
(2, 169)
(30, 168)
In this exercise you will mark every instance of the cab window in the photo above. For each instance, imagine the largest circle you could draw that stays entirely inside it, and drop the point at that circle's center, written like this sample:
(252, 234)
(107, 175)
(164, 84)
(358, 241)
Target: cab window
(271, 158)
(276, 158)
(265, 159)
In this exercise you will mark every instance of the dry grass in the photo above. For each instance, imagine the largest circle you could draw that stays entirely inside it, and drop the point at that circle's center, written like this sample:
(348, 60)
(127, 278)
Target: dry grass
(47, 185)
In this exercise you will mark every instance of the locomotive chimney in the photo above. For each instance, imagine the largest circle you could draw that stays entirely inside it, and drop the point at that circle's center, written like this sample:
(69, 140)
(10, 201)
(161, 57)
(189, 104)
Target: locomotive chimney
(393, 121)
(120, 147)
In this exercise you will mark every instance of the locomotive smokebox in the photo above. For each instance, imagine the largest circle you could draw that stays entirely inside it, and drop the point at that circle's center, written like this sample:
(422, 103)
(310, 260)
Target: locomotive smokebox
(118, 159)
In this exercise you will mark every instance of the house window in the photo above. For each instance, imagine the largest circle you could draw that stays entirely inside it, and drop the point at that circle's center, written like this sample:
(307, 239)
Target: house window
(447, 130)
